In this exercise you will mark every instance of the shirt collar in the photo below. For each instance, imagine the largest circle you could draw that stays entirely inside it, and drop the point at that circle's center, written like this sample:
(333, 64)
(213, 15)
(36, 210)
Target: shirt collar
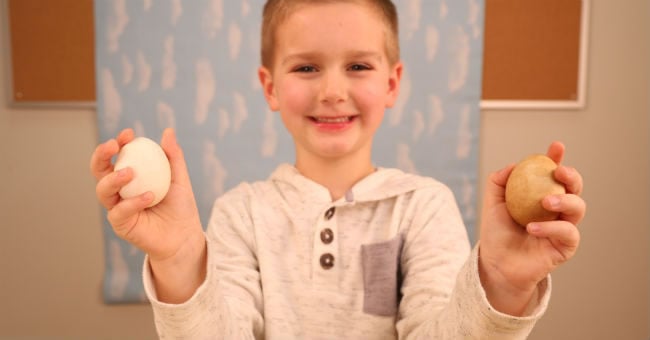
(381, 184)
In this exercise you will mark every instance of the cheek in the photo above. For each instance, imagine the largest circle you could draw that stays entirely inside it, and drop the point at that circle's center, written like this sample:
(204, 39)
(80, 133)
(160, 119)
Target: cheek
(371, 95)
(293, 96)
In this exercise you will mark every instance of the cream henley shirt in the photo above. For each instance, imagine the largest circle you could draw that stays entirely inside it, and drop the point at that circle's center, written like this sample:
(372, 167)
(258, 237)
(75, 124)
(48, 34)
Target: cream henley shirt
(389, 260)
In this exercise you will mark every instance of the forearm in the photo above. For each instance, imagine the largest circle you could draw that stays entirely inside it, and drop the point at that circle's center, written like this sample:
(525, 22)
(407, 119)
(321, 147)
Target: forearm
(176, 278)
(216, 309)
(469, 315)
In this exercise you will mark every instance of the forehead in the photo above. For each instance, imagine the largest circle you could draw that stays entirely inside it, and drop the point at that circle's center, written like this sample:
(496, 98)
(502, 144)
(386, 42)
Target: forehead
(332, 26)
(336, 8)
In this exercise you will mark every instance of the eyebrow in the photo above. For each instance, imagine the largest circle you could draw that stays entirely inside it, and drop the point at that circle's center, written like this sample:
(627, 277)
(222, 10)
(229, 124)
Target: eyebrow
(353, 55)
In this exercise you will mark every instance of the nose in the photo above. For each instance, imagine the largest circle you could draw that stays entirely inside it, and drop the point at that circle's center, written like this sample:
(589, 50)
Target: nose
(334, 87)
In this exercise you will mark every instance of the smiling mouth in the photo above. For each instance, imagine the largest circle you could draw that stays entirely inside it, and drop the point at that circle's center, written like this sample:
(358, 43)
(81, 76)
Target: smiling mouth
(333, 120)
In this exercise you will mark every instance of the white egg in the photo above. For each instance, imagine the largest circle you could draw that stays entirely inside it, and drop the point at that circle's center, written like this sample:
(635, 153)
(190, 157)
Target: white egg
(151, 170)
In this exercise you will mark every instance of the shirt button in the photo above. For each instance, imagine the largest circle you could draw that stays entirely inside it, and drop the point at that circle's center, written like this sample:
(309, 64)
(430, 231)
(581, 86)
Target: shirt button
(329, 213)
(327, 261)
(327, 235)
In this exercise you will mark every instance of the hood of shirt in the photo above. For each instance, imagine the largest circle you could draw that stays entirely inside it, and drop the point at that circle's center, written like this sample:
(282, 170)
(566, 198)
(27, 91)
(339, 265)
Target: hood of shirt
(379, 185)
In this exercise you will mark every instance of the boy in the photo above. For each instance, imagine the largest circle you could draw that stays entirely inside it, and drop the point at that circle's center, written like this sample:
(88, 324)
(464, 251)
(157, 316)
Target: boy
(333, 247)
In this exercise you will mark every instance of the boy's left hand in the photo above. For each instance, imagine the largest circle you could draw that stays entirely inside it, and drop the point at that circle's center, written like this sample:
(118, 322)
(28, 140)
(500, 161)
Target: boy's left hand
(514, 259)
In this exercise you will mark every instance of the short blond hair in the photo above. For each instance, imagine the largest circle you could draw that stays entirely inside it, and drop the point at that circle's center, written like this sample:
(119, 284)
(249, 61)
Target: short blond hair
(277, 11)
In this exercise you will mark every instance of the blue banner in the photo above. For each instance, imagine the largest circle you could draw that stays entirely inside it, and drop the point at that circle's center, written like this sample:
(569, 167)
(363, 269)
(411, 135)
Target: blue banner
(192, 65)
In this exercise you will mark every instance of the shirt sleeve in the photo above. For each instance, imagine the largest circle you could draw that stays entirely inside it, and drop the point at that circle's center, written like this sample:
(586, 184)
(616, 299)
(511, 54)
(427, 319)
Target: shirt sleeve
(442, 297)
(229, 303)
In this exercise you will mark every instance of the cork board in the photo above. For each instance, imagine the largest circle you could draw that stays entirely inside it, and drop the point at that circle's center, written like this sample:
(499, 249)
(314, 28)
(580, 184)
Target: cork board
(52, 50)
(532, 50)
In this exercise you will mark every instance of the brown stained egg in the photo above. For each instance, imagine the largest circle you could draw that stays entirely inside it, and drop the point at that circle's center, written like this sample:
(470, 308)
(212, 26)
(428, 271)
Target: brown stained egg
(530, 181)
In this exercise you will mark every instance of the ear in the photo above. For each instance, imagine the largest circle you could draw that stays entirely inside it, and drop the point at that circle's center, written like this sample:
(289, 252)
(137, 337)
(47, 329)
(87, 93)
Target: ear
(394, 78)
(268, 87)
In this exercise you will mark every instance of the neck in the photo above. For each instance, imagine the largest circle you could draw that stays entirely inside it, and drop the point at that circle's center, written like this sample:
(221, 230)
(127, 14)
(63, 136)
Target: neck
(337, 175)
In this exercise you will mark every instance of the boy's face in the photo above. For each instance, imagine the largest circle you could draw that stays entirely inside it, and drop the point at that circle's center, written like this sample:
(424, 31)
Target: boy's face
(331, 79)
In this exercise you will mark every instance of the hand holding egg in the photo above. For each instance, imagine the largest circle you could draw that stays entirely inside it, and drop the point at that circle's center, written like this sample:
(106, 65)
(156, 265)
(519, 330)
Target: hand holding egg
(151, 170)
(140, 178)
(542, 196)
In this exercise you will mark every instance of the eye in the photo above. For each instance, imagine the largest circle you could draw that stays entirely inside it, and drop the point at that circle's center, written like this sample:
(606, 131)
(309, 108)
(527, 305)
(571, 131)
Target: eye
(359, 67)
(305, 69)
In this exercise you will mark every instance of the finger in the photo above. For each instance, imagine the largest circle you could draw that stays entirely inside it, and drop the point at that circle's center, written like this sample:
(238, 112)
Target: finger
(495, 187)
(108, 187)
(571, 207)
(124, 214)
(564, 236)
(100, 161)
(500, 177)
(125, 136)
(174, 153)
(571, 179)
(556, 152)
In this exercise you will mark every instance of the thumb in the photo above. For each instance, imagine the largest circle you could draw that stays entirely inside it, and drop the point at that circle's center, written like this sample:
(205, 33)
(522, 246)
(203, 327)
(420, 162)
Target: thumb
(495, 188)
(175, 155)
(556, 152)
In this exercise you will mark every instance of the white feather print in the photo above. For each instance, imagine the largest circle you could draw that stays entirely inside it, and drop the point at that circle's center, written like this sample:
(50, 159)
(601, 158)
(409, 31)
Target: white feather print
(213, 18)
(144, 72)
(464, 145)
(459, 52)
(117, 21)
(177, 11)
(269, 136)
(213, 170)
(234, 40)
(205, 90)
(166, 117)
(168, 64)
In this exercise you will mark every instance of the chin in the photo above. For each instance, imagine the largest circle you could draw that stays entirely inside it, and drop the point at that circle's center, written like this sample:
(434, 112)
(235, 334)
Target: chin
(333, 153)
(337, 151)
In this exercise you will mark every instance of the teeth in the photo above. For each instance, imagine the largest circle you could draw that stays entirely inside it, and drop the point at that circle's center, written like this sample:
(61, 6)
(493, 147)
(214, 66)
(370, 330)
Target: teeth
(332, 120)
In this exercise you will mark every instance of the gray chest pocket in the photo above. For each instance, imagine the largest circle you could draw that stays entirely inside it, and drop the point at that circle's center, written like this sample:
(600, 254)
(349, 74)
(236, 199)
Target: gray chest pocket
(381, 276)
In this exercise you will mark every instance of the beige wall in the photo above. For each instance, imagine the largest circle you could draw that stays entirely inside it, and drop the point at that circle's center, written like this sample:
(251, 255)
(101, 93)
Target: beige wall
(51, 252)
(603, 292)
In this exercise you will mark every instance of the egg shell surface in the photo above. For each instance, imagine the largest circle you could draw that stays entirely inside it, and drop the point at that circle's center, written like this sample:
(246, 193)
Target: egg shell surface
(151, 169)
(530, 181)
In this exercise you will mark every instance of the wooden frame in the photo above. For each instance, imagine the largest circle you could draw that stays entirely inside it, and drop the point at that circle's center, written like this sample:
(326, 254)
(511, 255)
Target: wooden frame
(490, 104)
(580, 101)
(12, 95)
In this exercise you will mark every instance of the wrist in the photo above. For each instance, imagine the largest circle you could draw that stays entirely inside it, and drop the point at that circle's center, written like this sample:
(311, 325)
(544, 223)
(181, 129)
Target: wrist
(504, 295)
(177, 277)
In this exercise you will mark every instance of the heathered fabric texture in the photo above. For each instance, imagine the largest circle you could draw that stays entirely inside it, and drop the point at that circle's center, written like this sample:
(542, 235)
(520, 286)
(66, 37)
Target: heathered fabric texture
(402, 266)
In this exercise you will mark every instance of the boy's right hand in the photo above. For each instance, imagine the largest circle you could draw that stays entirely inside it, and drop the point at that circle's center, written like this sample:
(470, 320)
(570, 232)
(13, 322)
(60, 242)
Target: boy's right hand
(169, 232)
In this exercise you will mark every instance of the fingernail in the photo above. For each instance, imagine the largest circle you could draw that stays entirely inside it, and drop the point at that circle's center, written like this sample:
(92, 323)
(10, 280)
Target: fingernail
(147, 196)
(504, 170)
(534, 227)
(121, 173)
(554, 202)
